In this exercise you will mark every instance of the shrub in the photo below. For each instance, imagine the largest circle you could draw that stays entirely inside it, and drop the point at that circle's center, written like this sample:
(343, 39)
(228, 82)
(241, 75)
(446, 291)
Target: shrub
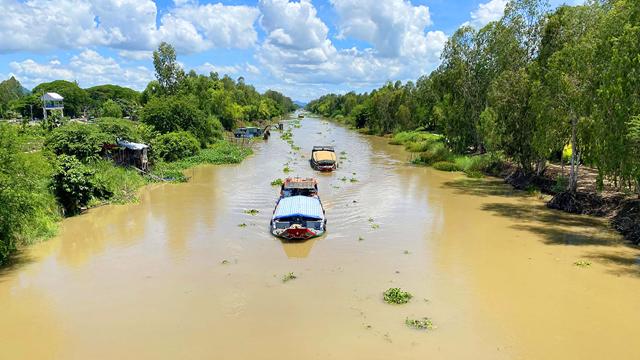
(119, 128)
(562, 183)
(437, 152)
(396, 296)
(119, 184)
(28, 210)
(175, 146)
(446, 166)
(179, 113)
(74, 185)
(79, 140)
(111, 109)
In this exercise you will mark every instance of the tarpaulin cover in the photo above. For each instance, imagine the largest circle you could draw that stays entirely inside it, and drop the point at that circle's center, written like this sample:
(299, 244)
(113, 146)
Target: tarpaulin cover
(303, 206)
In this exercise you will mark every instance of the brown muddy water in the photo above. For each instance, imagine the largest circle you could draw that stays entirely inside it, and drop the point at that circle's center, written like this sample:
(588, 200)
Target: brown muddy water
(492, 268)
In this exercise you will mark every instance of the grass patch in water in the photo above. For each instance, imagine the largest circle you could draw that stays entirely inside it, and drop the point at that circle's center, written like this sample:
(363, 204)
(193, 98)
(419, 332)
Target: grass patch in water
(288, 277)
(242, 225)
(286, 170)
(421, 324)
(446, 166)
(252, 212)
(222, 152)
(396, 296)
(582, 263)
(277, 182)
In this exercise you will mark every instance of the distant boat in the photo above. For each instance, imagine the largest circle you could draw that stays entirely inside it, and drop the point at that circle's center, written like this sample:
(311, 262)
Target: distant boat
(248, 132)
(300, 116)
(323, 158)
(299, 214)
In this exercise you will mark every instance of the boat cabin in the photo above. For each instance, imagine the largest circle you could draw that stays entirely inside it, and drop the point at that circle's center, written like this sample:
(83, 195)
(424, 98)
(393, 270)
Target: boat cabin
(323, 158)
(299, 187)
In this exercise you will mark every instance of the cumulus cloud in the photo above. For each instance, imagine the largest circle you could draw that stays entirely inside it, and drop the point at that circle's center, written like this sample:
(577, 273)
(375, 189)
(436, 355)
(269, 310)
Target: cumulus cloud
(88, 68)
(487, 12)
(297, 49)
(393, 27)
(123, 24)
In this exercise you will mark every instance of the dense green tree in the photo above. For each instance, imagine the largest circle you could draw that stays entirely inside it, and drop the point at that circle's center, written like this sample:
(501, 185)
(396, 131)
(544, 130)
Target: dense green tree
(76, 99)
(111, 109)
(168, 72)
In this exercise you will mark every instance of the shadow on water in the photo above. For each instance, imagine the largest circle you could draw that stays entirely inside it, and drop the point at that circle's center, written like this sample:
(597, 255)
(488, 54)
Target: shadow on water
(14, 263)
(625, 264)
(553, 226)
(483, 187)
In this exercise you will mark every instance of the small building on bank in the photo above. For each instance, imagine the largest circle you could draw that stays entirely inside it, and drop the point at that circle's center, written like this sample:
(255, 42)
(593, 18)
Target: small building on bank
(52, 102)
(128, 153)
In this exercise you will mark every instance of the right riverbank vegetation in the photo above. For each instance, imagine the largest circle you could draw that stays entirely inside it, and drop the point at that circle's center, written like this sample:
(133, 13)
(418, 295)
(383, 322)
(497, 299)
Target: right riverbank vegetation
(547, 99)
(59, 166)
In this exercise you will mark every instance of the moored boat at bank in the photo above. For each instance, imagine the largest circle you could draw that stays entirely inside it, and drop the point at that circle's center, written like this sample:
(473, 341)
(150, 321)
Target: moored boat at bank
(298, 214)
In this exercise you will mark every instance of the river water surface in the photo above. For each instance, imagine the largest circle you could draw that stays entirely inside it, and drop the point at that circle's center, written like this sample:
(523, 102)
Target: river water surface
(176, 276)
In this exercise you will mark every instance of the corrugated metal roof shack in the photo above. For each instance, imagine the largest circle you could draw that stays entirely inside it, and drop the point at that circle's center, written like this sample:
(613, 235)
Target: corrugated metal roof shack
(129, 154)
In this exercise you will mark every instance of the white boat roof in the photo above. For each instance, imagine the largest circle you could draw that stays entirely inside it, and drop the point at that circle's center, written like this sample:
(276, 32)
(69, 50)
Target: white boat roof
(304, 206)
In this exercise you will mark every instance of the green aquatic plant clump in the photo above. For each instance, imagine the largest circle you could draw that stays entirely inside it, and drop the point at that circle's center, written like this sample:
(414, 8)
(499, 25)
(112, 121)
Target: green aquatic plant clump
(277, 182)
(446, 166)
(288, 277)
(252, 212)
(421, 324)
(582, 263)
(396, 296)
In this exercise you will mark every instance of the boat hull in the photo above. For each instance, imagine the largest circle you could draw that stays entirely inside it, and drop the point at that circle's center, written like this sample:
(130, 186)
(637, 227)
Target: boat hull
(297, 233)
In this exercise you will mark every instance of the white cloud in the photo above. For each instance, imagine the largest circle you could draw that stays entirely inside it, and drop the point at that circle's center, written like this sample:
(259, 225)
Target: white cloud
(195, 28)
(239, 70)
(393, 27)
(297, 49)
(487, 12)
(123, 24)
(88, 68)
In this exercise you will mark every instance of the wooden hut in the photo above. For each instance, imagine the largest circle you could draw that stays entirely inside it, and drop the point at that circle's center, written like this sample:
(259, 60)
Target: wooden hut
(130, 154)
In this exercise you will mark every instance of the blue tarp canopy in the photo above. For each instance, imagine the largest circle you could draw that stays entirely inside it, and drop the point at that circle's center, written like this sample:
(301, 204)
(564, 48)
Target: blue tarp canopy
(303, 206)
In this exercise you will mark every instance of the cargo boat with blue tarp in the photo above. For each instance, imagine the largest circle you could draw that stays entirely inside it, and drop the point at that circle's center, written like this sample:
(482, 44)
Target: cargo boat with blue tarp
(299, 214)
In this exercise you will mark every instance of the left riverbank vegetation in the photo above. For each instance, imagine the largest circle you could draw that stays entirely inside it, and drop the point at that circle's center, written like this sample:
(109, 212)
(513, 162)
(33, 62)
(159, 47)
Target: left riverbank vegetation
(61, 166)
(554, 94)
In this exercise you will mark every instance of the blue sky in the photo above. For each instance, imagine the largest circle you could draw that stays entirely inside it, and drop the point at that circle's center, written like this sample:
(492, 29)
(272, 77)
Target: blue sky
(303, 48)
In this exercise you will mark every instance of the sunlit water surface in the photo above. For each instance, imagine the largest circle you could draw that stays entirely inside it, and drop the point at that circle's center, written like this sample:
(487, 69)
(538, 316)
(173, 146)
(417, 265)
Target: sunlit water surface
(492, 268)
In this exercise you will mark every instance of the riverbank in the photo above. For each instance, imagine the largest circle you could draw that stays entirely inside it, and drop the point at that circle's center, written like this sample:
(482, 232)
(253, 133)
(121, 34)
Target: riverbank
(620, 209)
(55, 175)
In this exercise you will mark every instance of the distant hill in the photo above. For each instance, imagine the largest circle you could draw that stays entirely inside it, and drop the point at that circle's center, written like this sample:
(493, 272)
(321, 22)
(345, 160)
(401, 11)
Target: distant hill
(300, 103)
(11, 89)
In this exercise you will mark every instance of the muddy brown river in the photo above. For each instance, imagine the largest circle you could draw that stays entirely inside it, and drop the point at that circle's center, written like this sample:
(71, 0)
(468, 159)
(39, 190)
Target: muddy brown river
(175, 276)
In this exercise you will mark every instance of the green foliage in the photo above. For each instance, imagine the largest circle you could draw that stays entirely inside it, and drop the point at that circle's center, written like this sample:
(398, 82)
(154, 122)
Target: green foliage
(79, 140)
(435, 153)
(396, 296)
(221, 152)
(168, 71)
(562, 184)
(446, 166)
(252, 212)
(420, 324)
(180, 113)
(111, 109)
(288, 277)
(277, 182)
(74, 184)
(27, 209)
(117, 184)
(175, 146)
(120, 129)
(75, 98)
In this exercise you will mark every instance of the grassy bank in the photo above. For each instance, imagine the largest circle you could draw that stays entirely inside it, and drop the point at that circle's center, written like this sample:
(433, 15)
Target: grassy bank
(219, 153)
(431, 149)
